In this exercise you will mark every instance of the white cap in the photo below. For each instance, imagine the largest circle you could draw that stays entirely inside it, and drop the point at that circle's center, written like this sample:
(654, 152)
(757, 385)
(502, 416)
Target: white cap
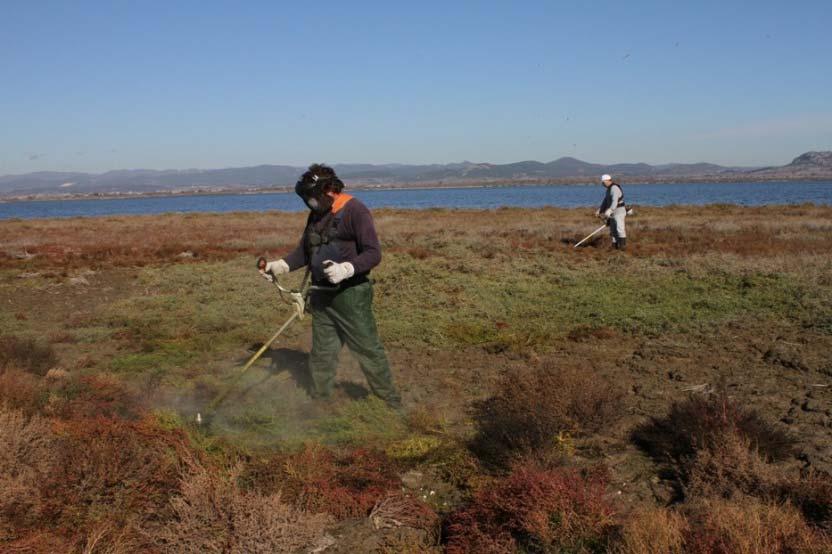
(605, 177)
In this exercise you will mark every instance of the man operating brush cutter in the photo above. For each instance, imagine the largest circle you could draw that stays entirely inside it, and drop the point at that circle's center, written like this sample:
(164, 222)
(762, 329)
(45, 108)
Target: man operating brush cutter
(613, 211)
(339, 247)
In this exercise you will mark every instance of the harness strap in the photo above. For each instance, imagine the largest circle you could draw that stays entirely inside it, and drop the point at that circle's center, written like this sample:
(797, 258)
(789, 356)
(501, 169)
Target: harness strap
(320, 232)
(620, 203)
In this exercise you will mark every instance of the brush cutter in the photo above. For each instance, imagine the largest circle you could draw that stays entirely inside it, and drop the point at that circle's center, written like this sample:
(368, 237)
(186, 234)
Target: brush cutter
(598, 230)
(298, 300)
(592, 234)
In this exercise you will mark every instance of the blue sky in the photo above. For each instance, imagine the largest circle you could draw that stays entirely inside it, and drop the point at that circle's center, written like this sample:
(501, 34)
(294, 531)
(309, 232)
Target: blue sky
(94, 86)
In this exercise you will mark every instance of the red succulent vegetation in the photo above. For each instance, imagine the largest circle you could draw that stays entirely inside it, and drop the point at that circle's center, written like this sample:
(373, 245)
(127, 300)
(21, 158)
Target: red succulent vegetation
(537, 509)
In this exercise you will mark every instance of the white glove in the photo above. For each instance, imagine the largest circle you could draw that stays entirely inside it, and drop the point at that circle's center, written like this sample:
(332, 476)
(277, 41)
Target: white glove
(278, 267)
(608, 214)
(338, 272)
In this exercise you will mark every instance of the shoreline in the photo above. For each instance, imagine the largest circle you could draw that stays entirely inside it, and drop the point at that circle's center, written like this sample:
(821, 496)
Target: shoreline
(640, 209)
(436, 185)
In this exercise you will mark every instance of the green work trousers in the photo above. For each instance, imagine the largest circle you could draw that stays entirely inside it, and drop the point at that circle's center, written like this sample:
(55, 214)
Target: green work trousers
(347, 316)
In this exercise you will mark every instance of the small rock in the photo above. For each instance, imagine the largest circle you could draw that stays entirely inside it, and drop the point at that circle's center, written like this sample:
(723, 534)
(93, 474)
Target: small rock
(810, 406)
(79, 281)
(662, 493)
(186, 254)
(57, 373)
(323, 543)
(785, 356)
(413, 479)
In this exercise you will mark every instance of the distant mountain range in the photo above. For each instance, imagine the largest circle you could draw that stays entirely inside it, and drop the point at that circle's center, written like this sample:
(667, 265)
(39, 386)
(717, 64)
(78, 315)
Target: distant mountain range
(811, 165)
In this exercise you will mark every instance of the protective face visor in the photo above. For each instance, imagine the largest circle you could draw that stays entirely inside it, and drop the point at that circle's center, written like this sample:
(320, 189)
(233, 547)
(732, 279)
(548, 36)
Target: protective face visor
(313, 196)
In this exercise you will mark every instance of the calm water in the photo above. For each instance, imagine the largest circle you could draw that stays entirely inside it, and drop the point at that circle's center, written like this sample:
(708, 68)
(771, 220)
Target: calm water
(747, 194)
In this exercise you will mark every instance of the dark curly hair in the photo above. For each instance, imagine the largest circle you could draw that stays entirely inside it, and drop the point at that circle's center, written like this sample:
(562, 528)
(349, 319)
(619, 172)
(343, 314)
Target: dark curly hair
(327, 180)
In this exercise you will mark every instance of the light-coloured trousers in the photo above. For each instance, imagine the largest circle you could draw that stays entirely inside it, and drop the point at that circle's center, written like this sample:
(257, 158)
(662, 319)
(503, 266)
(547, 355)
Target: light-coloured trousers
(616, 224)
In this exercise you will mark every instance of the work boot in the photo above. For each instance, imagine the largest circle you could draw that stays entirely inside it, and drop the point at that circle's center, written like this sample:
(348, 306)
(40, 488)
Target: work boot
(621, 244)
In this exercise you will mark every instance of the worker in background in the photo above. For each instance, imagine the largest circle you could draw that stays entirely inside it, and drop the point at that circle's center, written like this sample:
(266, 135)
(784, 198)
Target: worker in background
(614, 212)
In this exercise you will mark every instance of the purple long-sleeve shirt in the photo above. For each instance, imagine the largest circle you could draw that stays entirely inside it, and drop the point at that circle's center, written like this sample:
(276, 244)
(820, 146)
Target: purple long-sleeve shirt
(358, 242)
